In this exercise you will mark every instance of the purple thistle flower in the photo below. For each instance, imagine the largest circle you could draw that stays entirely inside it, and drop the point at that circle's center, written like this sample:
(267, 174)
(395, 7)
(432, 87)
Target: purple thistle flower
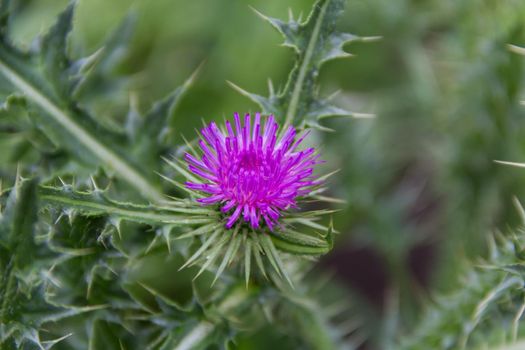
(251, 172)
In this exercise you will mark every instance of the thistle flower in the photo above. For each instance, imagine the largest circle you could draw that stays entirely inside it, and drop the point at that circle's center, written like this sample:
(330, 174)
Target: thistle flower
(252, 173)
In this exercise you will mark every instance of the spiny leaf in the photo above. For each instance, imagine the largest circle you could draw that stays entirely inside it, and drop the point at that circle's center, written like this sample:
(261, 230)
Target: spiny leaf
(54, 51)
(315, 42)
(16, 224)
(71, 127)
(98, 204)
(50, 81)
(24, 306)
(484, 302)
(90, 73)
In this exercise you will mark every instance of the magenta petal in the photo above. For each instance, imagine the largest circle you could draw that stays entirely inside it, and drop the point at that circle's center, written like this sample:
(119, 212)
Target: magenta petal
(233, 217)
(250, 172)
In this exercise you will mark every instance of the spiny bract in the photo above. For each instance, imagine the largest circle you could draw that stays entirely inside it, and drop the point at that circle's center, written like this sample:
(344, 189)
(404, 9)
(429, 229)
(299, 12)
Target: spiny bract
(252, 171)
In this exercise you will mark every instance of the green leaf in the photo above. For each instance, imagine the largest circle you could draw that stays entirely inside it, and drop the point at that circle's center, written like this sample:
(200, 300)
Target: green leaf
(487, 300)
(96, 203)
(49, 80)
(16, 224)
(92, 75)
(315, 42)
(70, 127)
(24, 304)
(54, 55)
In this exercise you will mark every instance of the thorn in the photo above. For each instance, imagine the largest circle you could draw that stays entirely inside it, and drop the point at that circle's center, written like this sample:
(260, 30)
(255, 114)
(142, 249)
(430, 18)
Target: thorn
(166, 234)
(348, 115)
(237, 88)
(204, 124)
(290, 14)
(319, 127)
(100, 240)
(194, 75)
(363, 115)
(95, 186)
(152, 244)
(270, 87)
(368, 39)
(133, 101)
(189, 145)
(51, 343)
(492, 247)
(89, 288)
(59, 217)
(519, 207)
(112, 270)
(330, 199)
(48, 276)
(117, 224)
(519, 165)
(86, 64)
(516, 49)
(258, 13)
(333, 95)
(18, 176)
(254, 97)
(70, 215)
(64, 184)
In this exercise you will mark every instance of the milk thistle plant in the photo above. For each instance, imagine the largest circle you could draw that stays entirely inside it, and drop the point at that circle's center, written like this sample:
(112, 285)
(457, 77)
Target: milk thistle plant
(116, 235)
(91, 204)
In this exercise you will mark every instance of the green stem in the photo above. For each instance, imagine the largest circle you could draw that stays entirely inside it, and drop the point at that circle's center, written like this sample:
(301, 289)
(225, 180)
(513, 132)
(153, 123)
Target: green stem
(97, 204)
(296, 94)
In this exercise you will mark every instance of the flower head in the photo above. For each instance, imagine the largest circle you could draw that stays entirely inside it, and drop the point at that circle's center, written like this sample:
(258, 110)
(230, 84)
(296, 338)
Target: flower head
(251, 172)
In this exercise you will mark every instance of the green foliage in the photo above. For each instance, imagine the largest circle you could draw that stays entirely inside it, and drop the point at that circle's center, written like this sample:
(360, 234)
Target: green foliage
(486, 309)
(77, 241)
(51, 81)
(103, 247)
(26, 302)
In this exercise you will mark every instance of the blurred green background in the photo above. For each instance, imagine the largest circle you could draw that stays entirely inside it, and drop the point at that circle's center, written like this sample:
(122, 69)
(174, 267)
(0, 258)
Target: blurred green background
(421, 186)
